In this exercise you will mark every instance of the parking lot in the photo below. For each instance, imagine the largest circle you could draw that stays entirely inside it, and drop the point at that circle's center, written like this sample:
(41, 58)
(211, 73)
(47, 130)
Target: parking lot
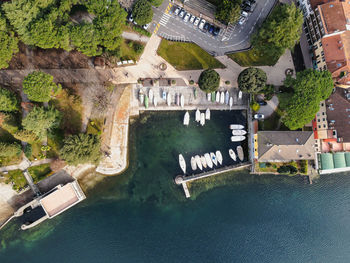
(173, 26)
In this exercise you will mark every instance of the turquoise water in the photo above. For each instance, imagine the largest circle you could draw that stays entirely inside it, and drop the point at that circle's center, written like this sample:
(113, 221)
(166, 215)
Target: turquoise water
(141, 216)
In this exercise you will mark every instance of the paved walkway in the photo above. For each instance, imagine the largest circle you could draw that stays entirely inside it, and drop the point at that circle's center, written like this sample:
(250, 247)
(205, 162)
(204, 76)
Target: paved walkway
(135, 37)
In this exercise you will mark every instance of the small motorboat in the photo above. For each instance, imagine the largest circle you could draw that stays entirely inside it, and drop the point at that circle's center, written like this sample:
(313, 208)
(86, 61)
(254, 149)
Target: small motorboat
(219, 156)
(208, 160)
(207, 114)
(231, 102)
(227, 97)
(168, 99)
(239, 132)
(186, 118)
(222, 97)
(146, 101)
(240, 153)
(195, 93)
(240, 94)
(237, 138)
(213, 96)
(213, 158)
(209, 96)
(204, 162)
(182, 101)
(164, 95)
(182, 163)
(177, 99)
(150, 95)
(202, 121)
(198, 116)
(232, 154)
(198, 162)
(236, 127)
(155, 101)
(193, 163)
(217, 98)
(141, 97)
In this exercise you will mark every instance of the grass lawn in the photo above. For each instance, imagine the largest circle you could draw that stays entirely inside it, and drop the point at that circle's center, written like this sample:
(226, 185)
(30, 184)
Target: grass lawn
(187, 56)
(39, 172)
(271, 167)
(17, 178)
(95, 126)
(128, 52)
(253, 58)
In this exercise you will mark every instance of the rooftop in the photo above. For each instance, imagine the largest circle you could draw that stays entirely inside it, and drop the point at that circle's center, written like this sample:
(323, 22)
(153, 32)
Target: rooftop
(333, 17)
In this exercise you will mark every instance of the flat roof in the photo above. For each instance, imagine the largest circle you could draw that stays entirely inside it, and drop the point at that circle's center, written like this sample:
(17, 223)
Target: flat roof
(59, 200)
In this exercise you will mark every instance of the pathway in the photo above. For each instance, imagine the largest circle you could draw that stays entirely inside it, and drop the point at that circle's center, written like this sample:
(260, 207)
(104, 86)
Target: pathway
(271, 106)
(135, 37)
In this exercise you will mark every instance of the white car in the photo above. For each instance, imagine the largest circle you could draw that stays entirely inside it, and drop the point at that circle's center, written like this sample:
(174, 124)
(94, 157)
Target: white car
(196, 21)
(192, 19)
(201, 24)
(131, 18)
(187, 17)
(177, 11)
(259, 116)
(145, 27)
(242, 20)
(182, 13)
(245, 14)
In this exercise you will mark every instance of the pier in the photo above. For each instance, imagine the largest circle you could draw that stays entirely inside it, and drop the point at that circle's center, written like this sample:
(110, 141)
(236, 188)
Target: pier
(181, 179)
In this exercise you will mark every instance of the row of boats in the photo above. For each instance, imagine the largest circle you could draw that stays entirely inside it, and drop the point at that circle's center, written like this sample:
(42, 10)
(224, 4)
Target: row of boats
(238, 133)
(147, 99)
(223, 97)
(209, 159)
(199, 117)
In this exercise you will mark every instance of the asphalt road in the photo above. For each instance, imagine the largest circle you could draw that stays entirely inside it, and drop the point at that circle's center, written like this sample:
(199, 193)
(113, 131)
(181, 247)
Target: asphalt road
(237, 37)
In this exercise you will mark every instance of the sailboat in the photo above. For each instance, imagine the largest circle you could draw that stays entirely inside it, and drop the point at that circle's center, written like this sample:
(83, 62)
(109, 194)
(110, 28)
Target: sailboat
(155, 101)
(198, 116)
(240, 94)
(213, 158)
(208, 160)
(182, 101)
(222, 97)
(237, 138)
(239, 132)
(213, 96)
(198, 162)
(182, 163)
(240, 153)
(231, 102)
(219, 157)
(146, 101)
(193, 164)
(186, 118)
(236, 127)
(217, 96)
(209, 96)
(204, 162)
(207, 114)
(202, 121)
(227, 97)
(168, 99)
(150, 95)
(232, 154)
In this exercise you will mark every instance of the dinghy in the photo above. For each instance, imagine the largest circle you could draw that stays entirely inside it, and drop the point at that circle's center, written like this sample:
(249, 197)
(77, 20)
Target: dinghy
(222, 97)
(193, 164)
(141, 97)
(232, 154)
(237, 138)
(182, 163)
(208, 160)
(231, 102)
(186, 118)
(219, 157)
(150, 95)
(239, 132)
(168, 99)
(213, 96)
(240, 153)
(204, 163)
(207, 114)
(182, 101)
(146, 101)
(240, 94)
(217, 96)
(198, 116)
(177, 99)
(164, 95)
(209, 96)
(202, 122)
(227, 97)
(236, 127)
(155, 101)
(213, 158)
(198, 162)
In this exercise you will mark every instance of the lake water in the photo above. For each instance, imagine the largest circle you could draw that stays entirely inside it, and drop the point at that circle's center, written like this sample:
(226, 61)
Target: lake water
(142, 216)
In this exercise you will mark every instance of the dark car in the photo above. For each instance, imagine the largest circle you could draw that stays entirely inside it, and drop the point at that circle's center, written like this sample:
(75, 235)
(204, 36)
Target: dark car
(247, 8)
(211, 29)
(216, 31)
(206, 27)
(252, 1)
(262, 103)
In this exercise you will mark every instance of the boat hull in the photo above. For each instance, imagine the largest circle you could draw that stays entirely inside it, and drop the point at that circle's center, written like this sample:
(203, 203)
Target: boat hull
(193, 163)
(204, 162)
(198, 115)
(219, 157)
(182, 163)
(198, 162)
(237, 138)
(239, 132)
(240, 153)
(207, 114)
(232, 154)
(208, 160)
(182, 101)
(213, 159)
(202, 121)
(236, 127)
(186, 118)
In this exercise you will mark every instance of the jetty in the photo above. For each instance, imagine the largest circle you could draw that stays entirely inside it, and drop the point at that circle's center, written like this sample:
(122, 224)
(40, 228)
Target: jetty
(183, 180)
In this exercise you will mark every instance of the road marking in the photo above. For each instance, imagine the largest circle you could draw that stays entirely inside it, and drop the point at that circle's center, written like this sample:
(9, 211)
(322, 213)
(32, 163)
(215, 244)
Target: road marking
(164, 20)
(156, 29)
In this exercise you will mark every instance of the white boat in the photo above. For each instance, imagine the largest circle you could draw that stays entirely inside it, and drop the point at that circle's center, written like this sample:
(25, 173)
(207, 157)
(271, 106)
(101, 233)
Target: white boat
(177, 99)
(208, 160)
(203, 161)
(202, 122)
(236, 127)
(217, 97)
(240, 153)
(182, 163)
(239, 132)
(164, 95)
(222, 97)
(240, 94)
(209, 96)
(182, 101)
(198, 162)
(219, 156)
(198, 116)
(141, 97)
(193, 163)
(150, 95)
(186, 118)
(237, 138)
(213, 158)
(155, 101)
(168, 99)
(227, 97)
(231, 102)
(232, 154)
(207, 114)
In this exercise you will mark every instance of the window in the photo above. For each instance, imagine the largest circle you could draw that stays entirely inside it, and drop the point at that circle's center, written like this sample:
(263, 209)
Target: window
(319, 126)
(324, 125)
(323, 119)
(318, 120)
(323, 113)
(322, 104)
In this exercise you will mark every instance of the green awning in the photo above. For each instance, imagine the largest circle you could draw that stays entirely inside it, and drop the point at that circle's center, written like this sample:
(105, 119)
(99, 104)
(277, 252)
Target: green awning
(326, 161)
(339, 160)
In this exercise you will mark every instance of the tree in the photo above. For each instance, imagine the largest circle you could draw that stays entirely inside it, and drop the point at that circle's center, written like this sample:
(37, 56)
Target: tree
(9, 122)
(81, 148)
(156, 2)
(9, 149)
(26, 136)
(209, 80)
(39, 86)
(8, 43)
(252, 80)
(309, 88)
(229, 11)
(142, 12)
(8, 101)
(41, 120)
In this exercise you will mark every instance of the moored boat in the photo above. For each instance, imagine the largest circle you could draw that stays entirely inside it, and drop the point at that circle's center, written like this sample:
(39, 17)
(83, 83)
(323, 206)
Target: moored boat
(209, 96)
(195, 93)
(198, 115)
(213, 96)
(168, 99)
(193, 163)
(219, 156)
(217, 98)
(227, 97)
(232, 154)
(207, 114)
(236, 127)
(186, 118)
(198, 162)
(239, 132)
(213, 158)
(222, 97)
(240, 94)
(146, 101)
(208, 160)
(141, 97)
(150, 95)
(203, 161)
(202, 121)
(237, 138)
(155, 101)
(240, 153)
(182, 163)
(164, 95)
(177, 100)
(182, 101)
(231, 102)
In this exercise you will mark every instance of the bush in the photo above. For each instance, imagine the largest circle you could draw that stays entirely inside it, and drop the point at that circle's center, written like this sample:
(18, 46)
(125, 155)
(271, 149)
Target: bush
(254, 106)
(141, 31)
(209, 80)
(191, 82)
(227, 82)
(8, 122)
(284, 169)
(8, 100)
(28, 151)
(156, 2)
(268, 91)
(142, 12)
(138, 48)
(173, 81)
(10, 149)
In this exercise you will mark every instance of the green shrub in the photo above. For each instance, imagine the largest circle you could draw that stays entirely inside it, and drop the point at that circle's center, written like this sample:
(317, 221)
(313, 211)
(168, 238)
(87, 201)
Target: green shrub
(173, 81)
(28, 151)
(209, 80)
(227, 82)
(138, 48)
(191, 82)
(141, 31)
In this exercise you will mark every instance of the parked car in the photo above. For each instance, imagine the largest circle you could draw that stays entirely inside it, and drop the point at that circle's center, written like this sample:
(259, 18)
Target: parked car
(262, 102)
(245, 14)
(131, 18)
(259, 116)
(182, 13)
(247, 8)
(216, 31)
(246, 3)
(252, 1)
(187, 17)
(211, 29)
(145, 27)
(192, 19)
(196, 21)
(206, 27)
(242, 20)
(201, 24)
(177, 11)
